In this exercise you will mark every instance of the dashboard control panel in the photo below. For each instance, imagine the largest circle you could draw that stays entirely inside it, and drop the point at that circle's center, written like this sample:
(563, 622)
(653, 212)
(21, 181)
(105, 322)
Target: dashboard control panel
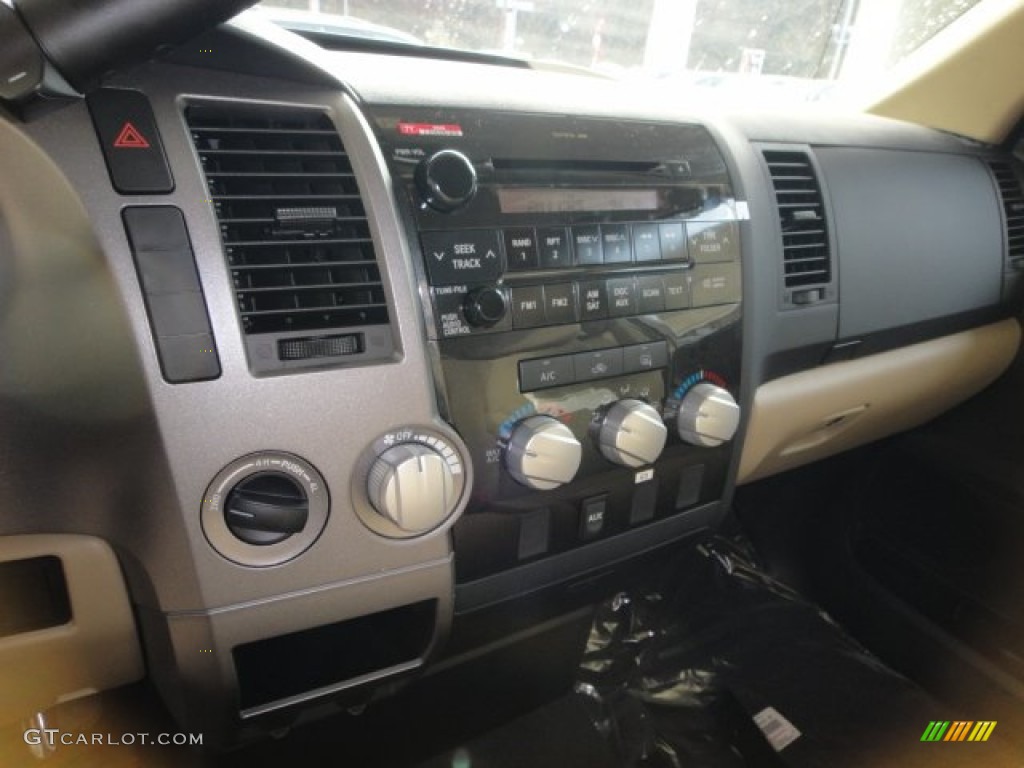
(575, 273)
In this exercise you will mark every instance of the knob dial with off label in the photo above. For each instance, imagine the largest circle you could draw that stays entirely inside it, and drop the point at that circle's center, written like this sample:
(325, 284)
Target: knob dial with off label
(412, 485)
(632, 434)
(543, 453)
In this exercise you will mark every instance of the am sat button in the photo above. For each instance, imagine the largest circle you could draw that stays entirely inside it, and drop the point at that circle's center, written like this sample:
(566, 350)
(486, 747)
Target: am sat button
(457, 258)
(597, 365)
(593, 300)
(545, 372)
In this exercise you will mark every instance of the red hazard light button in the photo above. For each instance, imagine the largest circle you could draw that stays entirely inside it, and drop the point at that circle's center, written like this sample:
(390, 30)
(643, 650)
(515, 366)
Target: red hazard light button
(131, 145)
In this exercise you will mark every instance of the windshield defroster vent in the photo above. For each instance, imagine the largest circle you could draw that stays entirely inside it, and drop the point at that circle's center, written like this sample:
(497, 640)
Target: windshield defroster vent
(1011, 190)
(806, 256)
(295, 234)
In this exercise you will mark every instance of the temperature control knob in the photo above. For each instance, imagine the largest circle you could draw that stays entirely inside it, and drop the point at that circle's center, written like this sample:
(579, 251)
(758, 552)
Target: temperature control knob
(543, 453)
(446, 180)
(413, 486)
(708, 416)
(632, 434)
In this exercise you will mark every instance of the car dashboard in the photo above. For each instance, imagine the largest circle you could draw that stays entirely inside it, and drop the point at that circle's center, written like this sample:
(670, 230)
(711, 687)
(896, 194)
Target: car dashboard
(314, 360)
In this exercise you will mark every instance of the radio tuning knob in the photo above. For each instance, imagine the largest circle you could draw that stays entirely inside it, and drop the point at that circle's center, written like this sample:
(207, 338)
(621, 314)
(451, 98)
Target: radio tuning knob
(485, 306)
(543, 453)
(632, 434)
(412, 486)
(446, 180)
(708, 416)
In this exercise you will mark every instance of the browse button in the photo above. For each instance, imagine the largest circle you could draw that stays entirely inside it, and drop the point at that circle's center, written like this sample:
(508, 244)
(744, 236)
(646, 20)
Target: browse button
(460, 258)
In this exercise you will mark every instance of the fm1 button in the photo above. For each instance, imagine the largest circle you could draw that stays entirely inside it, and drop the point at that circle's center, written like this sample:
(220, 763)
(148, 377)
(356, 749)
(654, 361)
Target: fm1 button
(458, 258)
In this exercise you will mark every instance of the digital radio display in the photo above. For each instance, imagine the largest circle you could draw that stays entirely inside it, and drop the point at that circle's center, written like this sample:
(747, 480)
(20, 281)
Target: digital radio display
(553, 200)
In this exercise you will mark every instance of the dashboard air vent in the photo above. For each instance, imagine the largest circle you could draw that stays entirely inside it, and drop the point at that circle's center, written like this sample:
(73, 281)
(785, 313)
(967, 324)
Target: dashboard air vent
(1011, 190)
(293, 225)
(807, 263)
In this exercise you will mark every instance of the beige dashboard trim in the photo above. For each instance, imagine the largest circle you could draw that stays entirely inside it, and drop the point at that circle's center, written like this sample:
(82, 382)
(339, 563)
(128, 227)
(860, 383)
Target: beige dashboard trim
(967, 79)
(814, 414)
(97, 650)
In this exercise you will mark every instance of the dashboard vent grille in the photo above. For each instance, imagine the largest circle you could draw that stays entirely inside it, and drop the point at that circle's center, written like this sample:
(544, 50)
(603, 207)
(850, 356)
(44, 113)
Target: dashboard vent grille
(805, 249)
(1012, 192)
(291, 218)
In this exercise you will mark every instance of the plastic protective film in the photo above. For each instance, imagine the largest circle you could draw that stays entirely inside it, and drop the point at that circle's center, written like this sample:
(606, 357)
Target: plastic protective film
(725, 666)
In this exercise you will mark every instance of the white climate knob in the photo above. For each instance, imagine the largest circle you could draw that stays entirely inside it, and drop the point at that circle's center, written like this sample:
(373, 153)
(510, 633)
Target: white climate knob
(708, 416)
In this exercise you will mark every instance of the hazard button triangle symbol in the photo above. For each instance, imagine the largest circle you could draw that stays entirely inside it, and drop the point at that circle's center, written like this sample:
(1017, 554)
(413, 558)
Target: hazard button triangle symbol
(130, 138)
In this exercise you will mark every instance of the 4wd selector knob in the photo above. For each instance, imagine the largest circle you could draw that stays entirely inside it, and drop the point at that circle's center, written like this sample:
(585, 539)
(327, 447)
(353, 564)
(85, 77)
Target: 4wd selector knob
(543, 453)
(708, 416)
(632, 434)
(446, 180)
(413, 486)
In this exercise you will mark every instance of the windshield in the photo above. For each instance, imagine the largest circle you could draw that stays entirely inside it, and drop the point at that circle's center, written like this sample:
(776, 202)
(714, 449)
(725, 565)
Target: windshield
(796, 50)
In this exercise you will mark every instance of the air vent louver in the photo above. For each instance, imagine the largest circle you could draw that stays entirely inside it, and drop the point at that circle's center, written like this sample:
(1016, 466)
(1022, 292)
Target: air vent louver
(1011, 190)
(805, 248)
(292, 221)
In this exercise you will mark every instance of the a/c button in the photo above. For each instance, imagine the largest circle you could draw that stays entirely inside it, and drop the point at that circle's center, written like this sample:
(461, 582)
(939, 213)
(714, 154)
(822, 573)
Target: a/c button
(545, 372)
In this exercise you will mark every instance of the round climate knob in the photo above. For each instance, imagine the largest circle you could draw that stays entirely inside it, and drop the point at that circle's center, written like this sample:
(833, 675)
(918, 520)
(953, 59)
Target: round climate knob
(543, 453)
(446, 180)
(708, 416)
(412, 486)
(485, 306)
(632, 434)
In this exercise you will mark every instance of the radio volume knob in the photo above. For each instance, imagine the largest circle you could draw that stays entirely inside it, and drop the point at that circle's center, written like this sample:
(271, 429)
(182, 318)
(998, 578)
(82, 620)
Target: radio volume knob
(485, 306)
(632, 434)
(412, 486)
(543, 453)
(708, 416)
(446, 180)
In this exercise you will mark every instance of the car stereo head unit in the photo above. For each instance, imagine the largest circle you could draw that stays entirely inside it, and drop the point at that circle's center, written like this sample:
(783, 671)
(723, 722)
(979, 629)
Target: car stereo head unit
(582, 289)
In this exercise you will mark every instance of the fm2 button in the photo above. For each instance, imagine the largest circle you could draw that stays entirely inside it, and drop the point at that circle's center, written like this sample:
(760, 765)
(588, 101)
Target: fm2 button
(460, 258)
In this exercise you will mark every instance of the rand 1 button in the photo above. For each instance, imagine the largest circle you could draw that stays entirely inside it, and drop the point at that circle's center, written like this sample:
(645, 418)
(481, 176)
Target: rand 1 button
(520, 248)
(599, 364)
(622, 297)
(545, 372)
(650, 294)
(528, 307)
(593, 300)
(467, 256)
(560, 303)
(586, 243)
(646, 244)
(715, 284)
(645, 357)
(713, 241)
